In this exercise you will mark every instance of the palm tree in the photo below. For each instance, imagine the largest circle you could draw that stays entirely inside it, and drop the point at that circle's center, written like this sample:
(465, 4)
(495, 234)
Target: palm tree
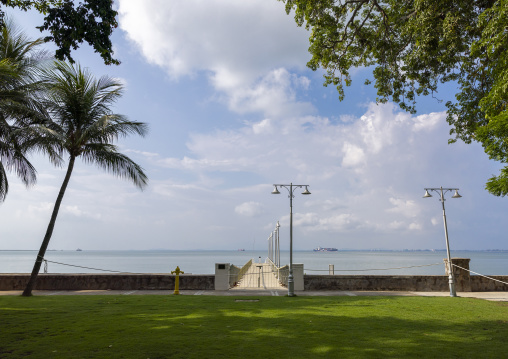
(20, 64)
(83, 126)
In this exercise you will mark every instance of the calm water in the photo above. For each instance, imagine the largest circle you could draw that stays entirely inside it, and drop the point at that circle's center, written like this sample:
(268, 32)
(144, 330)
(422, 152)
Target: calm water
(203, 262)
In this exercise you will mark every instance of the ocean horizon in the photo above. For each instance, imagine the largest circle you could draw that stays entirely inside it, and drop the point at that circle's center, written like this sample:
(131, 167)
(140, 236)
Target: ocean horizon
(349, 262)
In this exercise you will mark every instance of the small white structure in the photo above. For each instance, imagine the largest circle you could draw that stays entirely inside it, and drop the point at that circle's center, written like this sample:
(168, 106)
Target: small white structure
(222, 276)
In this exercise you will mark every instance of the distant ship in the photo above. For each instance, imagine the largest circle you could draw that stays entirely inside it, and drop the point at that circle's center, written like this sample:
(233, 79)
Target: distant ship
(241, 250)
(78, 250)
(321, 249)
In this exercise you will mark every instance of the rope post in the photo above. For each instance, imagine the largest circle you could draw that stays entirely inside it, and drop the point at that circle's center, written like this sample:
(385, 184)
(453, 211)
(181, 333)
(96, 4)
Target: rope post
(45, 266)
(177, 272)
(460, 273)
(331, 269)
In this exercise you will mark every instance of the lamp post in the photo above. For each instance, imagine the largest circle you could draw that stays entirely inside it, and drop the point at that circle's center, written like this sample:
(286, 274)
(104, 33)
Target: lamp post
(291, 188)
(441, 191)
(277, 245)
(270, 247)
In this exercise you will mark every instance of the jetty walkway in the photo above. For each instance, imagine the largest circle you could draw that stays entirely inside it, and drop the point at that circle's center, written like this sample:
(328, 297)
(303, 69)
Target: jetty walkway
(259, 276)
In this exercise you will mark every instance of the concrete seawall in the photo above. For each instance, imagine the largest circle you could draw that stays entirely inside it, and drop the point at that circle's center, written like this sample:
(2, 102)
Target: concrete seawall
(107, 281)
(464, 282)
(207, 282)
(403, 283)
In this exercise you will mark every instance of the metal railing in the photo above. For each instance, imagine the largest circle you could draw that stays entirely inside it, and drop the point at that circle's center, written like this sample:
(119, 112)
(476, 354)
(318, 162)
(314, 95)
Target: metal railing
(282, 273)
(236, 273)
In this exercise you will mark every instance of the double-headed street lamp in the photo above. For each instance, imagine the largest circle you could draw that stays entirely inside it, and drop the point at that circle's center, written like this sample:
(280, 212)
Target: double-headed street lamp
(291, 188)
(441, 191)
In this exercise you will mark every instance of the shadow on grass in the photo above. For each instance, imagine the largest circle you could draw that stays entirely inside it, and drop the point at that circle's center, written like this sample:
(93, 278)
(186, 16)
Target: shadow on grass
(274, 327)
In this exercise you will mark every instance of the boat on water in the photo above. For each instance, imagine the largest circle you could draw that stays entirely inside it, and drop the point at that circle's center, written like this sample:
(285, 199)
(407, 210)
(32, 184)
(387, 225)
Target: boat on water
(79, 250)
(321, 249)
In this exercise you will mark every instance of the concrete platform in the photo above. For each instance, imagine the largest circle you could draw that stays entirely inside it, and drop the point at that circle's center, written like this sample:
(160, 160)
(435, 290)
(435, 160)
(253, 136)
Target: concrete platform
(253, 292)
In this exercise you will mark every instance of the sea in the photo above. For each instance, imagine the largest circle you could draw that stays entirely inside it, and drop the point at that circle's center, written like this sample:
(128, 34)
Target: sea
(203, 262)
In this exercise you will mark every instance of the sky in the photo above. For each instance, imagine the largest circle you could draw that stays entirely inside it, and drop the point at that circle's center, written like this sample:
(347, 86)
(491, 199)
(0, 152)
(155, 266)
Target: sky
(232, 110)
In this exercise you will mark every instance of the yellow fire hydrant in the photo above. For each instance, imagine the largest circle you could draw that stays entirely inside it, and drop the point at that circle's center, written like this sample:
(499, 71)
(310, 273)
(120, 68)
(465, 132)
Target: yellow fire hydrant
(177, 272)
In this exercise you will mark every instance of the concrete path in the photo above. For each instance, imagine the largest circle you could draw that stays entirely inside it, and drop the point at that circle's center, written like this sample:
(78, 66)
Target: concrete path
(259, 276)
(492, 296)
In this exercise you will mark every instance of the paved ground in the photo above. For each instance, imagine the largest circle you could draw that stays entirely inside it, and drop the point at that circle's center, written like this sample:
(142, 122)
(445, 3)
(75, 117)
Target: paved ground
(493, 296)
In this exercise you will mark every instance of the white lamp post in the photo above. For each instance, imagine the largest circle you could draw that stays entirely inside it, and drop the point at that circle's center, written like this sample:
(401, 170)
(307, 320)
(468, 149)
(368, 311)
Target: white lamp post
(291, 187)
(441, 191)
(277, 245)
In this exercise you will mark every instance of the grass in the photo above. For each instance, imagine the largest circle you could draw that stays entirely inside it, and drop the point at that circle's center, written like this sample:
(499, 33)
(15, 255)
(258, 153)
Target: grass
(273, 327)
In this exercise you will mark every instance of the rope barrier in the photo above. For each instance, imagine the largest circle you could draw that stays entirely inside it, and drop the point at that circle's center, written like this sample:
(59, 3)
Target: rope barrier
(72, 265)
(311, 270)
(365, 270)
(481, 275)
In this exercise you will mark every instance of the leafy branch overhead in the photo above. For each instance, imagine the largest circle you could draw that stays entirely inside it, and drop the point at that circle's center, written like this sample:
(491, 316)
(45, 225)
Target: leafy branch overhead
(70, 24)
(414, 46)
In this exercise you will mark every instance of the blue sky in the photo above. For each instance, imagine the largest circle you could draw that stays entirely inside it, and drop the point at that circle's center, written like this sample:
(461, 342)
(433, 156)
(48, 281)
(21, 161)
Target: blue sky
(232, 109)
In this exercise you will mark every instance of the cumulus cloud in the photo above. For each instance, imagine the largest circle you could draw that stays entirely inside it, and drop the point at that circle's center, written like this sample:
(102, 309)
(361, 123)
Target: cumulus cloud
(234, 40)
(249, 209)
(246, 50)
(358, 168)
(407, 208)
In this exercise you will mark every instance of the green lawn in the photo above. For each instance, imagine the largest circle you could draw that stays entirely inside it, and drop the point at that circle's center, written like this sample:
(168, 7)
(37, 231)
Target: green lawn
(229, 327)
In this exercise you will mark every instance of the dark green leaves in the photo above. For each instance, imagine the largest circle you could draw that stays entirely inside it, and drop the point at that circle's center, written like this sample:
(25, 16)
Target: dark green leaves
(415, 45)
(70, 24)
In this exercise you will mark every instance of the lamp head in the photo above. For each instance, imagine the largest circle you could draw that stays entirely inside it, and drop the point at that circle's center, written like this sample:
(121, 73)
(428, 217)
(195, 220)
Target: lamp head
(456, 194)
(427, 194)
(306, 191)
(275, 190)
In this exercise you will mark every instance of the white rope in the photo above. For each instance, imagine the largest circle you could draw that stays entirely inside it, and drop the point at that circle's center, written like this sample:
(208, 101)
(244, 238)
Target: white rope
(481, 275)
(365, 270)
(72, 265)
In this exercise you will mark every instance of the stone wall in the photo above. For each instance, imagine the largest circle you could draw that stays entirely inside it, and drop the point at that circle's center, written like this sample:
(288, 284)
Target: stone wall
(107, 281)
(377, 282)
(207, 282)
(482, 284)
(415, 283)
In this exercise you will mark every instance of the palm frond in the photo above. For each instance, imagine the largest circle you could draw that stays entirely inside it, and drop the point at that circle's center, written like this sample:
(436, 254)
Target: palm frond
(106, 157)
(109, 128)
(4, 184)
(20, 65)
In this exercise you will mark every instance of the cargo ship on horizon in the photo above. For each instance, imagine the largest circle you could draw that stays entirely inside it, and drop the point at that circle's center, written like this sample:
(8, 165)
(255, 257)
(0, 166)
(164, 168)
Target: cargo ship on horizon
(321, 249)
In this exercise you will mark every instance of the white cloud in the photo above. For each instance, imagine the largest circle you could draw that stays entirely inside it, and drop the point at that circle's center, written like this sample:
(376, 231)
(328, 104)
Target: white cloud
(353, 155)
(75, 211)
(249, 209)
(44, 207)
(246, 48)
(407, 208)
(362, 174)
(415, 226)
(427, 122)
(235, 40)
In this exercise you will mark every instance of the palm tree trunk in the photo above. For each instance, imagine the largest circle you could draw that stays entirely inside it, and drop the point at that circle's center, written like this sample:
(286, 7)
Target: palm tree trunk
(42, 251)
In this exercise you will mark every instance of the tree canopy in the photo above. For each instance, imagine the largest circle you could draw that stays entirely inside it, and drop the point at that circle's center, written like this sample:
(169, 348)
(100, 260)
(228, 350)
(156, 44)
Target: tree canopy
(413, 47)
(69, 24)
(21, 62)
